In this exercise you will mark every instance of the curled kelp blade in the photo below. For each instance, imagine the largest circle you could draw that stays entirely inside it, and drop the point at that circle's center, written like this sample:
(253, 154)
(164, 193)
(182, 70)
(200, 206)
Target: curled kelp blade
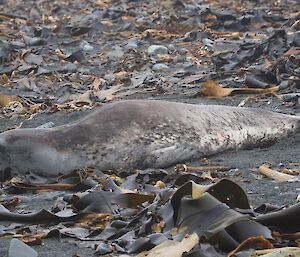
(106, 201)
(219, 224)
(146, 243)
(249, 245)
(99, 202)
(212, 89)
(224, 190)
(251, 52)
(266, 208)
(286, 220)
(80, 186)
(132, 200)
(41, 216)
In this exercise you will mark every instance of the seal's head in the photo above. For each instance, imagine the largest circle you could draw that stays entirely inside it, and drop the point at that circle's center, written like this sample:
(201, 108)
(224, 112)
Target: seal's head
(31, 150)
(13, 150)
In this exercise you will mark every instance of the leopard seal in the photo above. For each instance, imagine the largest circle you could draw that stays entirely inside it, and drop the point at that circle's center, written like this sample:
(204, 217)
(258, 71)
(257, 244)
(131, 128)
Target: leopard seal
(138, 134)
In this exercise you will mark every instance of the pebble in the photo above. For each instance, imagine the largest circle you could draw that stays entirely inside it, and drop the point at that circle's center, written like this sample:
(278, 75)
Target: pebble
(86, 47)
(49, 124)
(208, 43)
(160, 184)
(116, 53)
(296, 25)
(154, 50)
(18, 249)
(160, 67)
(132, 44)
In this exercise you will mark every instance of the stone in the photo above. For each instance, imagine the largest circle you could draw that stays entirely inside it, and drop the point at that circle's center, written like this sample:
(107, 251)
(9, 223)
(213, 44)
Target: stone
(154, 50)
(18, 249)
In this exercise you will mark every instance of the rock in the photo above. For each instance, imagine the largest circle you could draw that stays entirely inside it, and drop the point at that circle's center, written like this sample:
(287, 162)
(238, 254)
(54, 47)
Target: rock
(103, 249)
(157, 49)
(116, 53)
(208, 43)
(296, 40)
(132, 44)
(86, 47)
(49, 124)
(160, 67)
(296, 25)
(18, 249)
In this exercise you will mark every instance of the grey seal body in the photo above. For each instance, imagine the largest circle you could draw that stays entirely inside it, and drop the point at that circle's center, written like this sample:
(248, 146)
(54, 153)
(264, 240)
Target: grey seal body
(141, 134)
